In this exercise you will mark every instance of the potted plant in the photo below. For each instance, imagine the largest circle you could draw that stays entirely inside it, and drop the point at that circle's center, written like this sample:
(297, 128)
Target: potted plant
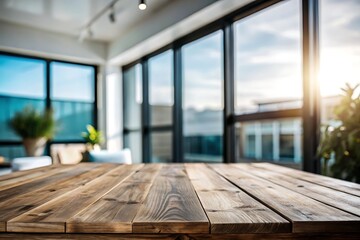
(35, 129)
(93, 138)
(341, 143)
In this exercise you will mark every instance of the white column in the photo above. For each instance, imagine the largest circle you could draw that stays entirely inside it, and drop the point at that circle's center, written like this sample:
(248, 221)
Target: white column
(276, 140)
(258, 140)
(114, 119)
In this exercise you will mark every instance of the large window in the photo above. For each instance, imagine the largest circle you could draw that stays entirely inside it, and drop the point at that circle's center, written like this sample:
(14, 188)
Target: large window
(268, 79)
(202, 99)
(24, 82)
(132, 111)
(161, 100)
(245, 86)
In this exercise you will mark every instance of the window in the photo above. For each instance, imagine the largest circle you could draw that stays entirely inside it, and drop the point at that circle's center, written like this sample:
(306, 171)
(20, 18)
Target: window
(275, 140)
(202, 99)
(72, 98)
(161, 101)
(339, 51)
(24, 82)
(132, 111)
(268, 78)
(161, 88)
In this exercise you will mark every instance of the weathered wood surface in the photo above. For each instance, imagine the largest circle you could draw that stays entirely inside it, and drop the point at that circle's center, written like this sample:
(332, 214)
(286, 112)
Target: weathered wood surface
(229, 209)
(338, 185)
(306, 214)
(51, 216)
(171, 206)
(114, 236)
(115, 211)
(177, 201)
(22, 203)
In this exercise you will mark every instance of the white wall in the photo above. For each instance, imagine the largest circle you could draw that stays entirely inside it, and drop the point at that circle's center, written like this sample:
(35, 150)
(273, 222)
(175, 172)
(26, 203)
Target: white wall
(164, 18)
(26, 40)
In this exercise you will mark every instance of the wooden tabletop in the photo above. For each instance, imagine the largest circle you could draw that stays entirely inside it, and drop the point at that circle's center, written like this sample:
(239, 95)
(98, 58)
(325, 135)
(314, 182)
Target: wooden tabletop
(197, 200)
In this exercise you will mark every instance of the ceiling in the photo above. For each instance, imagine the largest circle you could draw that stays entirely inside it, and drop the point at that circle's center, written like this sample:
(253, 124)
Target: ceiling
(69, 16)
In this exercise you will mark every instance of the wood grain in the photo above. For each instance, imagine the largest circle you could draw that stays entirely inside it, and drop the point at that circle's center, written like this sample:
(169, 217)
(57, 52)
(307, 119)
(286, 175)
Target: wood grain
(277, 236)
(337, 184)
(114, 212)
(51, 216)
(24, 202)
(229, 209)
(29, 176)
(177, 201)
(171, 206)
(31, 186)
(306, 214)
(27, 172)
(344, 201)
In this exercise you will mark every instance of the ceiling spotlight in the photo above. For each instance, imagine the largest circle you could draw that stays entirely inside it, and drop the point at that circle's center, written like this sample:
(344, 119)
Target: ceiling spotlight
(112, 15)
(142, 5)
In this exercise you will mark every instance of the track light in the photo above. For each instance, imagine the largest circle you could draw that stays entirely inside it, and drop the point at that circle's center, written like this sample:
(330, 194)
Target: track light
(89, 32)
(112, 15)
(142, 5)
(85, 33)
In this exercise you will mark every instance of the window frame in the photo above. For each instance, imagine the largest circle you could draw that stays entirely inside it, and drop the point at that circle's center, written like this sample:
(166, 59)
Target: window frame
(309, 113)
(48, 61)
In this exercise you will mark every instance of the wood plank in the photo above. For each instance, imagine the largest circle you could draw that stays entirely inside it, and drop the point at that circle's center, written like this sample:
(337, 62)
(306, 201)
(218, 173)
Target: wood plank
(22, 203)
(258, 236)
(27, 172)
(114, 212)
(31, 186)
(31, 176)
(306, 214)
(51, 216)
(344, 201)
(229, 209)
(337, 184)
(171, 206)
(85, 236)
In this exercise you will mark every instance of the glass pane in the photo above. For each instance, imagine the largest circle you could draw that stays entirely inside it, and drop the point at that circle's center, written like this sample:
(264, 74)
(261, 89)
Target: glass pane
(202, 99)
(278, 140)
(161, 147)
(268, 59)
(161, 88)
(339, 51)
(72, 82)
(134, 142)
(73, 96)
(22, 83)
(132, 97)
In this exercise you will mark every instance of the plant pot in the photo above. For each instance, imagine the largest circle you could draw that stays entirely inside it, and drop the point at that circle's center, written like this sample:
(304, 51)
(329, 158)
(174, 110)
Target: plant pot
(34, 147)
(93, 147)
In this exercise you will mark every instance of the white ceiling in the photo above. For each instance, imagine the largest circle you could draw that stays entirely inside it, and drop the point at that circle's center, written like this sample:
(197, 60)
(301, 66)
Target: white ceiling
(69, 16)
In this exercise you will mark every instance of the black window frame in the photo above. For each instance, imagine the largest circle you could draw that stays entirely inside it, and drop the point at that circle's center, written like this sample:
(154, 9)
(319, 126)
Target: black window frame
(309, 113)
(48, 61)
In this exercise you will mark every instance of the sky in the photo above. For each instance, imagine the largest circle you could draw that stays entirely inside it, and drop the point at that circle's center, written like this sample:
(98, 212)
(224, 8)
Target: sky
(25, 77)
